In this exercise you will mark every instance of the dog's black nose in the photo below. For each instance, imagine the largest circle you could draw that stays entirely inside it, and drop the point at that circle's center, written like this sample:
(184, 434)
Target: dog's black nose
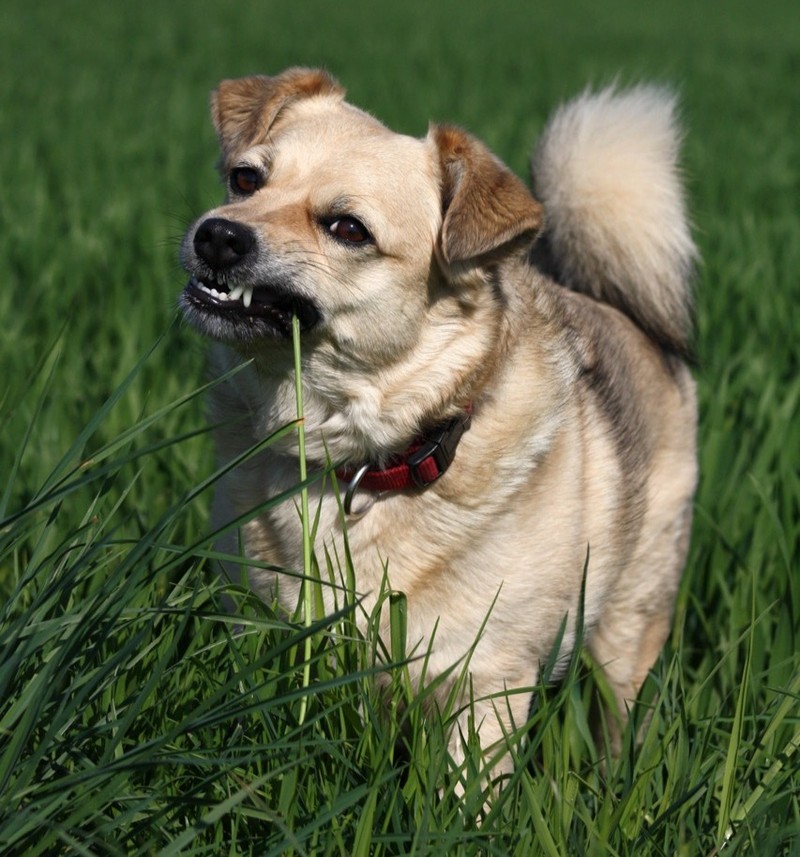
(221, 243)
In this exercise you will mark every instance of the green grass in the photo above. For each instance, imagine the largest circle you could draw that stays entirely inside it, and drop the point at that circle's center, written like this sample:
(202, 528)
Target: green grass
(138, 716)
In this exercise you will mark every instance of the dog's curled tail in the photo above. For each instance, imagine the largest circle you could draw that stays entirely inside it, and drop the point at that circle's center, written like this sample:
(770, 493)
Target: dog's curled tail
(606, 171)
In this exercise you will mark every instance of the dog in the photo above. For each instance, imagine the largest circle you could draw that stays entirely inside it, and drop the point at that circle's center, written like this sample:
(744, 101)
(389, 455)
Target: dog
(500, 375)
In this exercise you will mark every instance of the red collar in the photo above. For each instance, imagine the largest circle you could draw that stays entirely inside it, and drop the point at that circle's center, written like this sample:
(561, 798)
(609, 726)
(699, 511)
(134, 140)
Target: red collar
(422, 463)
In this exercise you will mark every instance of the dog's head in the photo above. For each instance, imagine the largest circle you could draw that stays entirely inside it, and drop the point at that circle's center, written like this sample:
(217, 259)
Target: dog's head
(333, 218)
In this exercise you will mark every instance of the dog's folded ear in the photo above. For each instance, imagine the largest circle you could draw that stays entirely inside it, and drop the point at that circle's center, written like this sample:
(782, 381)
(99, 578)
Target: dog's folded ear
(243, 110)
(484, 204)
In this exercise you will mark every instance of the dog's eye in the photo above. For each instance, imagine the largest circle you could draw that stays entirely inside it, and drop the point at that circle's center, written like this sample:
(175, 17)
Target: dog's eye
(244, 180)
(350, 230)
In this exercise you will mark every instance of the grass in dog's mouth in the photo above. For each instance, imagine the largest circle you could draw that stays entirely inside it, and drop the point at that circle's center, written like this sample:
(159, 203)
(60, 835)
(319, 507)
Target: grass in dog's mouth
(222, 310)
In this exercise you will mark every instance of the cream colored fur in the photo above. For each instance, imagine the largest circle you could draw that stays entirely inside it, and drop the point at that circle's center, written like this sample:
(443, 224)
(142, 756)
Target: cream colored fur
(583, 429)
(606, 169)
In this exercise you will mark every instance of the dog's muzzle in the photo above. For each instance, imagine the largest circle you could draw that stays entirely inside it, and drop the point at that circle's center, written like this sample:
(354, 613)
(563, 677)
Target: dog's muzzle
(225, 297)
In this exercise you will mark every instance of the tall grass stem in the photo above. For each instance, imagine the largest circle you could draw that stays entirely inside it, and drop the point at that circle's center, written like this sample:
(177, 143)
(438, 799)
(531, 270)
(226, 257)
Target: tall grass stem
(304, 513)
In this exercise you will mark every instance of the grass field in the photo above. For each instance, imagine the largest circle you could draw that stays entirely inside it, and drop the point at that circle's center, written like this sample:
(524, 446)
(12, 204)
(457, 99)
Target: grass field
(133, 718)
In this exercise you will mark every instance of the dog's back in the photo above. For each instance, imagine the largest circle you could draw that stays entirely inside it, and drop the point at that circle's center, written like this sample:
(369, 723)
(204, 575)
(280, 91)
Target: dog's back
(616, 230)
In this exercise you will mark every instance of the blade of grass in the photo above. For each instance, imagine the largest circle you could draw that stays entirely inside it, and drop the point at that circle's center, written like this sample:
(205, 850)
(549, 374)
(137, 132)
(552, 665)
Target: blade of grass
(729, 783)
(304, 512)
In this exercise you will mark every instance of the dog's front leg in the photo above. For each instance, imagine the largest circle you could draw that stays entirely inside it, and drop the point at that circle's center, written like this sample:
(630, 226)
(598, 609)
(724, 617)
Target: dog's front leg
(493, 715)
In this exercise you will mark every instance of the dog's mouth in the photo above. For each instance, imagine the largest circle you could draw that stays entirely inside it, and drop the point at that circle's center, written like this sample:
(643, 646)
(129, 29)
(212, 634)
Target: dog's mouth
(246, 311)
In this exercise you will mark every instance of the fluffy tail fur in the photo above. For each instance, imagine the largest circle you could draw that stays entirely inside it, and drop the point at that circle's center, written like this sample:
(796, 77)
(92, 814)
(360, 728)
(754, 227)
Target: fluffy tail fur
(616, 228)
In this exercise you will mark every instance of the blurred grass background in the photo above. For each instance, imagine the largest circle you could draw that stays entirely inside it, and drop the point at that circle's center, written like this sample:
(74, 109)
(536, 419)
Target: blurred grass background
(107, 154)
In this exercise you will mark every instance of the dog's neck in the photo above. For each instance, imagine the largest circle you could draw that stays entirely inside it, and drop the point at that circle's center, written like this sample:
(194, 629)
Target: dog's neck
(356, 415)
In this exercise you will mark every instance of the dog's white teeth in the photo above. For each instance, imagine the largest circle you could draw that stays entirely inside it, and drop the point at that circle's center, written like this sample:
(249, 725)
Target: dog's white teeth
(244, 292)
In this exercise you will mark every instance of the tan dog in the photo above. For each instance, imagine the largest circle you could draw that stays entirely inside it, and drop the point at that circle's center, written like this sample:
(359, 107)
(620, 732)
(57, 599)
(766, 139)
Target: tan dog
(432, 288)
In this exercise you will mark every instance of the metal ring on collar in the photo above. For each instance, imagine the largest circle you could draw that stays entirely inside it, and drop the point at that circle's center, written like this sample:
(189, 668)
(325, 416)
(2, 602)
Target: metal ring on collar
(350, 493)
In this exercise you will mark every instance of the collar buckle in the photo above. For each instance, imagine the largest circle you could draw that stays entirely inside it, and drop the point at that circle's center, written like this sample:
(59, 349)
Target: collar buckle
(433, 458)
